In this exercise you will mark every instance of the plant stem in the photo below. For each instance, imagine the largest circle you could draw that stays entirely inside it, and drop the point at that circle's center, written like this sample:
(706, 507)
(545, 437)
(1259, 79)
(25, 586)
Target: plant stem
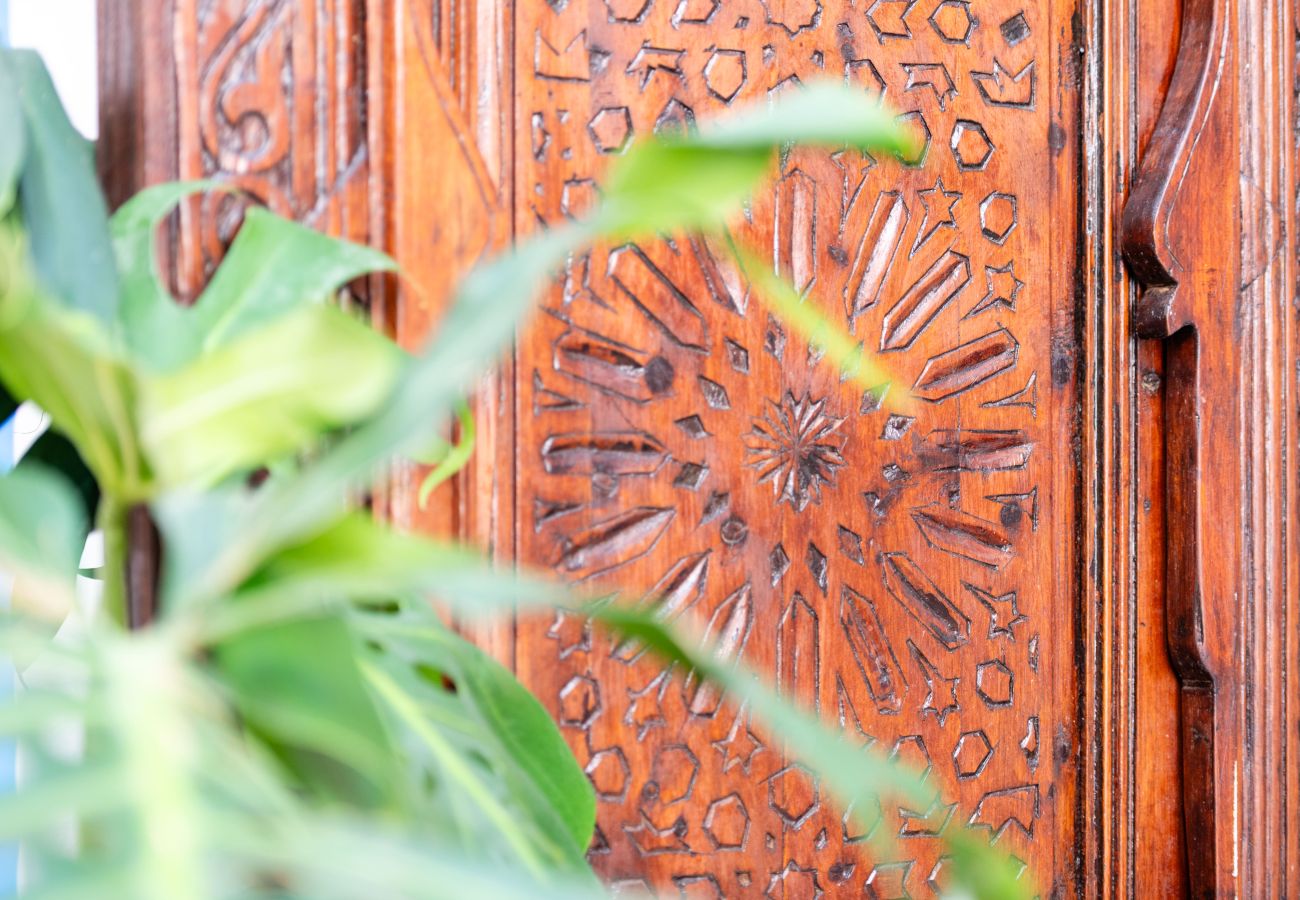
(111, 521)
(143, 556)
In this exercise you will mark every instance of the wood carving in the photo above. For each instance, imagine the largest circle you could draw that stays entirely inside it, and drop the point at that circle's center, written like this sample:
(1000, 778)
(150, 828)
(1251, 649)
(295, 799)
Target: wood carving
(963, 584)
(1148, 214)
(270, 101)
(1183, 306)
(895, 571)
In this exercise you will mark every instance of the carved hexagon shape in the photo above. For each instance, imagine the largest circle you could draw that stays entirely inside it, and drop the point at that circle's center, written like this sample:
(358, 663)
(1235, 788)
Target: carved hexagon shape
(577, 196)
(998, 216)
(952, 21)
(794, 794)
(794, 881)
(725, 73)
(972, 754)
(611, 129)
(627, 10)
(609, 774)
(970, 145)
(859, 824)
(727, 823)
(917, 124)
(579, 702)
(672, 775)
(910, 751)
(994, 682)
(888, 881)
(864, 74)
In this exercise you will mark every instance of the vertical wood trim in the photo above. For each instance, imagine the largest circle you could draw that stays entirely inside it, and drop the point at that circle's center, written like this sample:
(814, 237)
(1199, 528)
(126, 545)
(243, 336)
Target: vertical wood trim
(436, 78)
(1109, 528)
(137, 97)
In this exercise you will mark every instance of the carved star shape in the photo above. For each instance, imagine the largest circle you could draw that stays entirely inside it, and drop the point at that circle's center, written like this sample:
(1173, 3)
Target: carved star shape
(1002, 289)
(939, 212)
(645, 707)
(1004, 613)
(739, 747)
(941, 690)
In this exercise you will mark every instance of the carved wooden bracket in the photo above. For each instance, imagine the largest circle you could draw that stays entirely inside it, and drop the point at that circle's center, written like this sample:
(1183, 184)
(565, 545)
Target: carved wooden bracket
(1144, 231)
(1180, 303)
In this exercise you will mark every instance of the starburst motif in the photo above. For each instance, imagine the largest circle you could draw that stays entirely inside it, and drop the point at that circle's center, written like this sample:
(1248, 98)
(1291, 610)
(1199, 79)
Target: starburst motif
(794, 446)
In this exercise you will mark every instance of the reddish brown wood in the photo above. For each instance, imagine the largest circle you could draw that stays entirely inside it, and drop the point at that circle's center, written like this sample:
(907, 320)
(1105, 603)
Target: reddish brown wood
(908, 575)
(998, 569)
(1211, 262)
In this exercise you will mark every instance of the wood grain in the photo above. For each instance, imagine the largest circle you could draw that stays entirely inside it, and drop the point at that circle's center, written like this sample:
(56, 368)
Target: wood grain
(908, 575)
(984, 585)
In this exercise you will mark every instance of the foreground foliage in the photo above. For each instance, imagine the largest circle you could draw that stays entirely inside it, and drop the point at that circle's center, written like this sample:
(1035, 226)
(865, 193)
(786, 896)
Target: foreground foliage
(295, 720)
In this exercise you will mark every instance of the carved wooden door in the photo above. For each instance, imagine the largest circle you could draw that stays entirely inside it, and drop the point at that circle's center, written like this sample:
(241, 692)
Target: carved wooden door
(977, 586)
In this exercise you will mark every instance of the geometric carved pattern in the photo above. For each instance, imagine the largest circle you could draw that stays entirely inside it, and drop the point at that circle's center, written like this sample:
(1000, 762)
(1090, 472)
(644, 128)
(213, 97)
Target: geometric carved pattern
(262, 119)
(891, 568)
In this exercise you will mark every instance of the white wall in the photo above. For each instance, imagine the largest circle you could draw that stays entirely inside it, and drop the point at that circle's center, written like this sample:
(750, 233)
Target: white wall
(64, 33)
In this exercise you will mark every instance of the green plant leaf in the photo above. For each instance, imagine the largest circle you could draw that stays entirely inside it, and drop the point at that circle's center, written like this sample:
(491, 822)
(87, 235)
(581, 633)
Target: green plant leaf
(804, 319)
(157, 330)
(274, 266)
(62, 207)
(54, 451)
(354, 557)
(13, 140)
(663, 186)
(417, 664)
(698, 180)
(449, 458)
(273, 392)
(476, 331)
(42, 533)
(535, 750)
(297, 685)
(62, 360)
(8, 404)
(824, 114)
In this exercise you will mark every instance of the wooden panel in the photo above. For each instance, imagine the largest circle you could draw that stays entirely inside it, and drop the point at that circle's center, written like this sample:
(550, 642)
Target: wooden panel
(909, 575)
(978, 585)
(265, 96)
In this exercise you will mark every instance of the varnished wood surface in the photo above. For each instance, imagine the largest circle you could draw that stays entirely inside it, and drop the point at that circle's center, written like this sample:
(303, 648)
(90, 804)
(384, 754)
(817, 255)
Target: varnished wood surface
(988, 571)
(909, 575)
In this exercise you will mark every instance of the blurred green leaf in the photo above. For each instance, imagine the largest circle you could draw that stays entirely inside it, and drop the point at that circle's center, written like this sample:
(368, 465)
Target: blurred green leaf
(298, 686)
(62, 208)
(536, 752)
(698, 180)
(448, 458)
(473, 709)
(13, 140)
(274, 266)
(55, 452)
(42, 533)
(273, 392)
(157, 330)
(346, 859)
(358, 557)
(63, 361)
(804, 319)
(823, 114)
(476, 331)
(669, 185)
